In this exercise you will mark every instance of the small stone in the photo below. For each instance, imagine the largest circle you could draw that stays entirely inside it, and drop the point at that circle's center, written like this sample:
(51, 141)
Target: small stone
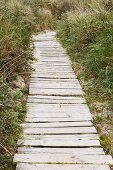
(19, 82)
(1, 107)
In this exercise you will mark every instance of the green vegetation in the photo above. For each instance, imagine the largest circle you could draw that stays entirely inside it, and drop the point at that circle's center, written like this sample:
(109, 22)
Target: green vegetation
(15, 53)
(87, 34)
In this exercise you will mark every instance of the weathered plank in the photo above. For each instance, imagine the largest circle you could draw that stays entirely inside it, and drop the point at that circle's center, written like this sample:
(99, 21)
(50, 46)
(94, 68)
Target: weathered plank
(69, 81)
(63, 158)
(50, 57)
(55, 86)
(69, 92)
(59, 143)
(86, 140)
(71, 75)
(61, 69)
(34, 113)
(54, 75)
(69, 130)
(25, 166)
(58, 124)
(79, 151)
(37, 99)
(52, 64)
(71, 110)
(62, 137)
(56, 100)
(56, 97)
(58, 119)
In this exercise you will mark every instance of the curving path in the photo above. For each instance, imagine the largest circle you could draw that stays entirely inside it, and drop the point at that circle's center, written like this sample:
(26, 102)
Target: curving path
(58, 133)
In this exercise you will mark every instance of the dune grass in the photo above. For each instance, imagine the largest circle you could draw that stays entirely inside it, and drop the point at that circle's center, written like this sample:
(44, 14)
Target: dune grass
(87, 34)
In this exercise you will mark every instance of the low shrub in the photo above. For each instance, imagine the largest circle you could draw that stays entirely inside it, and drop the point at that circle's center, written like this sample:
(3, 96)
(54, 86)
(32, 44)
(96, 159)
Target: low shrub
(16, 25)
(88, 39)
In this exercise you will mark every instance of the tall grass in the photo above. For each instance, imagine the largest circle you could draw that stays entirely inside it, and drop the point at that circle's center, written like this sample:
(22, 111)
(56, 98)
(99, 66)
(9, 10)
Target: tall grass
(87, 34)
(16, 24)
(15, 34)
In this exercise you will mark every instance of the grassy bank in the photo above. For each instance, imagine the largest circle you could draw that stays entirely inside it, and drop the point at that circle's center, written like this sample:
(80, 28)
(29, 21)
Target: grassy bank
(15, 53)
(87, 34)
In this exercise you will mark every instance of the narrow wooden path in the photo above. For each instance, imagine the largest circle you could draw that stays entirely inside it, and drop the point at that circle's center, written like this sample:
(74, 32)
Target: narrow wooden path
(58, 133)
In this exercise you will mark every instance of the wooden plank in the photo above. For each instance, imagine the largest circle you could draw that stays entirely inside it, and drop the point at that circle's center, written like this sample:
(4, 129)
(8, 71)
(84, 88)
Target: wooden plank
(25, 166)
(59, 143)
(69, 92)
(56, 97)
(69, 109)
(52, 52)
(49, 67)
(35, 114)
(79, 151)
(63, 76)
(69, 130)
(52, 71)
(55, 55)
(63, 158)
(73, 81)
(41, 114)
(58, 86)
(47, 57)
(50, 101)
(55, 86)
(58, 119)
(56, 100)
(52, 64)
(44, 40)
(47, 44)
(32, 113)
(83, 107)
(62, 137)
(52, 49)
(41, 59)
(58, 124)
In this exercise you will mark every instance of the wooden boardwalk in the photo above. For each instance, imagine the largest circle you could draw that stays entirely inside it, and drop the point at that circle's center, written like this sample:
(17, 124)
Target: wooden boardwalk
(58, 133)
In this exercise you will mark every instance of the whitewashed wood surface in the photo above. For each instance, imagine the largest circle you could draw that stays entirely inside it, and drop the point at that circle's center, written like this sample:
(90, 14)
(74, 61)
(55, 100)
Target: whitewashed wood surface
(58, 133)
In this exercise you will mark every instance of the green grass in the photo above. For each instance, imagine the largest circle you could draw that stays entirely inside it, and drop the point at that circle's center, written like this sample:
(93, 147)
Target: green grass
(87, 35)
(16, 24)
